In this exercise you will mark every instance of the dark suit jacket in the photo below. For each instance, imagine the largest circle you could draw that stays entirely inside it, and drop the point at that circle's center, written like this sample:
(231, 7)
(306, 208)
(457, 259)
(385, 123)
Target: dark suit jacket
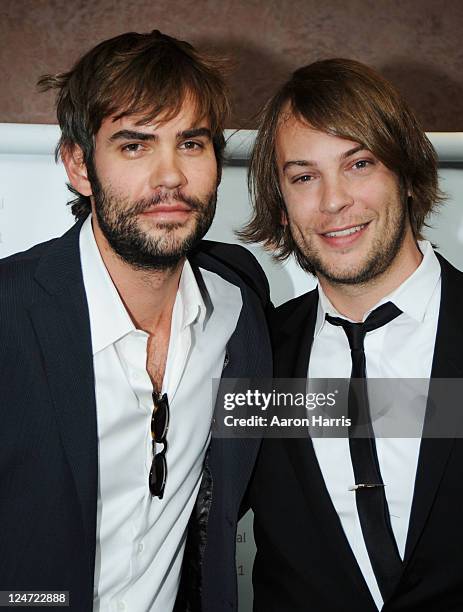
(304, 562)
(48, 428)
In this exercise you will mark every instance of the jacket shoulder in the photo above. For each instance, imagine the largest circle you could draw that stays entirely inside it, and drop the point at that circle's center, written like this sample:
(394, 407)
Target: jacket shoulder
(285, 311)
(22, 265)
(454, 274)
(18, 288)
(32, 254)
(241, 261)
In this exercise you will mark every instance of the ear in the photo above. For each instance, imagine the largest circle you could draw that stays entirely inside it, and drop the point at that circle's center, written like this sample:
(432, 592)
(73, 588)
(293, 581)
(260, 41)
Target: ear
(73, 160)
(283, 218)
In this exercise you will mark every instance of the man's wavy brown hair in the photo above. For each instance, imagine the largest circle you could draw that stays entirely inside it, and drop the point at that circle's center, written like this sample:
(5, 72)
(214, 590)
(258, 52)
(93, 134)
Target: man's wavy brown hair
(149, 75)
(347, 99)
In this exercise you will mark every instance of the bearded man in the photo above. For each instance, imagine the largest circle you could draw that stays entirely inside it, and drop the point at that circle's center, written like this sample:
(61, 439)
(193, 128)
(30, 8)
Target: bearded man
(110, 338)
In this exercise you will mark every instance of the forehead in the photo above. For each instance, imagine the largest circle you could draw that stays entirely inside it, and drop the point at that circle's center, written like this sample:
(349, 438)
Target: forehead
(296, 137)
(187, 116)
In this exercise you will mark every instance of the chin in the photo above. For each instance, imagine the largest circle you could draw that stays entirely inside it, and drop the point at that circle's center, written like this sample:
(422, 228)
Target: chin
(170, 231)
(349, 273)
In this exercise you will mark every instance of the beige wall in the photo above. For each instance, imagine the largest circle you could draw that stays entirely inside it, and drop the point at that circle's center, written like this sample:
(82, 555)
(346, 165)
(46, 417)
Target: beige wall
(415, 43)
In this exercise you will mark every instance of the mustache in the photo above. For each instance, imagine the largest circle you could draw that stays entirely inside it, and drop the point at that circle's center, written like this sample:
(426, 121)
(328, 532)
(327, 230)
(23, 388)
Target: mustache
(141, 206)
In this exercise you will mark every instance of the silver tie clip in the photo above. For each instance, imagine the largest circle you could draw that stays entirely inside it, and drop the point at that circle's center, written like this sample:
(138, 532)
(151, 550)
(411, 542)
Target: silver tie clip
(365, 486)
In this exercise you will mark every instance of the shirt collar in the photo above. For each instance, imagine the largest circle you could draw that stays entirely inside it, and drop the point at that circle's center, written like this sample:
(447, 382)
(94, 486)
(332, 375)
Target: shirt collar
(109, 319)
(192, 305)
(412, 297)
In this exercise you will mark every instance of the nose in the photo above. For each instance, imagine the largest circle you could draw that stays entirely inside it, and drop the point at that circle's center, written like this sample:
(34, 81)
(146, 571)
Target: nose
(167, 172)
(335, 195)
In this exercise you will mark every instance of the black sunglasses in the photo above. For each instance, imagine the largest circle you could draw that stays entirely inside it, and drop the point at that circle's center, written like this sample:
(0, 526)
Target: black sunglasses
(159, 426)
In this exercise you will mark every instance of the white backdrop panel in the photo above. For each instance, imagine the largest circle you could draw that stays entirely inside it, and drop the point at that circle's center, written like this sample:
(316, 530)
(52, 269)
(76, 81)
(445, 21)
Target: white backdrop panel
(32, 209)
(33, 196)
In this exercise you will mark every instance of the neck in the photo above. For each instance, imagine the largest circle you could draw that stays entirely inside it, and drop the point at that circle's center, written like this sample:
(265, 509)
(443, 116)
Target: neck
(353, 301)
(148, 295)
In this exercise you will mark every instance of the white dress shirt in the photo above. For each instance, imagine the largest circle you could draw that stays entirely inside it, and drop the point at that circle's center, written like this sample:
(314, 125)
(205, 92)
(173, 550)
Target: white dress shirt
(403, 348)
(140, 538)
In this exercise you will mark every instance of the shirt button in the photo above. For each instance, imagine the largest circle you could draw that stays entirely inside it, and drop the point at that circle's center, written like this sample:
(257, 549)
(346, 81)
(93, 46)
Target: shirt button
(141, 548)
(121, 605)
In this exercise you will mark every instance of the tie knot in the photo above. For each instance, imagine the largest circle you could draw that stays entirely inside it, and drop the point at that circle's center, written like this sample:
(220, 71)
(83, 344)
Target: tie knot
(356, 332)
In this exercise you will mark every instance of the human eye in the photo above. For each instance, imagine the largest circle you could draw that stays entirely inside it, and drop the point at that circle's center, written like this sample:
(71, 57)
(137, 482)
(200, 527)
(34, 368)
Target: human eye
(132, 149)
(192, 145)
(302, 178)
(363, 164)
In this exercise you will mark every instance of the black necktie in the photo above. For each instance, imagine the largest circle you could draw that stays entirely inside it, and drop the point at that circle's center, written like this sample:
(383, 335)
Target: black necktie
(371, 501)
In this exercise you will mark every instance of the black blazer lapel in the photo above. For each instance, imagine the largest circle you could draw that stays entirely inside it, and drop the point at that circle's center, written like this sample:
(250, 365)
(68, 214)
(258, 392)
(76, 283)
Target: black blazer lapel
(447, 363)
(61, 322)
(306, 467)
(293, 329)
(248, 356)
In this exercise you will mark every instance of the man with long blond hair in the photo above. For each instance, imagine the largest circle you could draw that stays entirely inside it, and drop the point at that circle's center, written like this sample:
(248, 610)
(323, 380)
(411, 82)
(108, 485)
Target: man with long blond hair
(344, 178)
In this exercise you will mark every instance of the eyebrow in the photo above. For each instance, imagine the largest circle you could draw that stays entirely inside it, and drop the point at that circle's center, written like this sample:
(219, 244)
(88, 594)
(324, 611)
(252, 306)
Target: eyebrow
(308, 162)
(298, 162)
(353, 151)
(131, 135)
(194, 133)
(135, 135)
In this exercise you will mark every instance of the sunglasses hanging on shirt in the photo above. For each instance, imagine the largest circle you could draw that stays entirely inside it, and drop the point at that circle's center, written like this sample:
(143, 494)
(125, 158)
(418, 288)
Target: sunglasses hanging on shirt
(159, 427)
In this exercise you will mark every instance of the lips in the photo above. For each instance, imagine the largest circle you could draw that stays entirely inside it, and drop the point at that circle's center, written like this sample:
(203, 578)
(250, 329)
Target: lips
(344, 237)
(347, 231)
(167, 208)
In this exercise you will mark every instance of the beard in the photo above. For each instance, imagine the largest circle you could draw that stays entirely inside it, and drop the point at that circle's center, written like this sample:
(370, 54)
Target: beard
(141, 249)
(378, 258)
